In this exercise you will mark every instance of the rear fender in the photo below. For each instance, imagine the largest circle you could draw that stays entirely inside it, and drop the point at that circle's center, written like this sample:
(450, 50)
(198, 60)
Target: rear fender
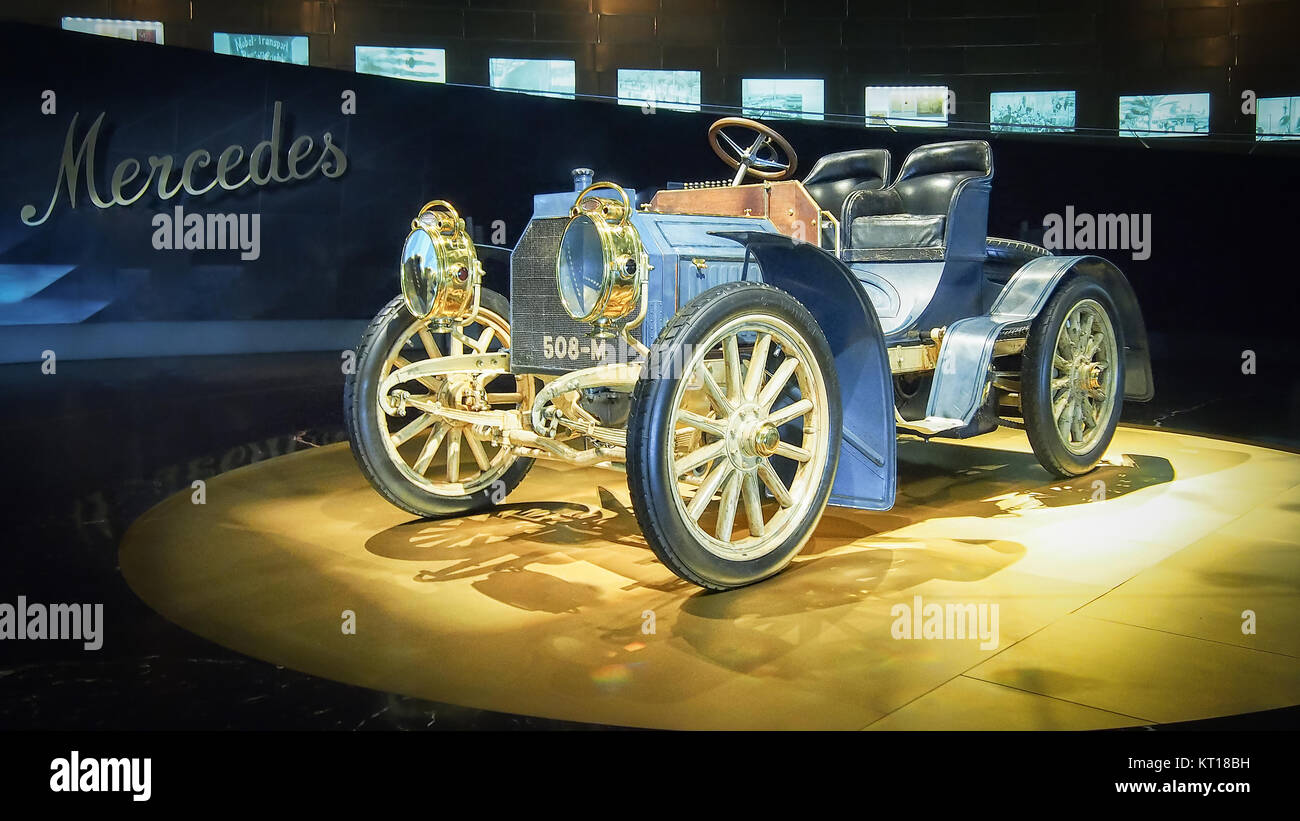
(963, 371)
(1029, 289)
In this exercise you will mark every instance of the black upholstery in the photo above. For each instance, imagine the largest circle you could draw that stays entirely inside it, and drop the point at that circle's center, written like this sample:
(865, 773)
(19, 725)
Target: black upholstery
(835, 176)
(920, 209)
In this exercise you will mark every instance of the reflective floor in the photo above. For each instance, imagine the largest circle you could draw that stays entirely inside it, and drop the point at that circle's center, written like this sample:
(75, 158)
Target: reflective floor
(1108, 595)
(93, 447)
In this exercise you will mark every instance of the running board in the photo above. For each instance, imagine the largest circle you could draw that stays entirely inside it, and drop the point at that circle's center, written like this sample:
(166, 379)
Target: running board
(930, 425)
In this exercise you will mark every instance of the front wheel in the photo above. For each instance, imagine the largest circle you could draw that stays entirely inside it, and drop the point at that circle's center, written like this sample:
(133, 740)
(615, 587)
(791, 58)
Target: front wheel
(1072, 380)
(418, 460)
(734, 436)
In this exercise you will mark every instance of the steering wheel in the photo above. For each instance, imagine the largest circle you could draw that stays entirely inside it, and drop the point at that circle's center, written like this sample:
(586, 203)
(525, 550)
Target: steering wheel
(763, 156)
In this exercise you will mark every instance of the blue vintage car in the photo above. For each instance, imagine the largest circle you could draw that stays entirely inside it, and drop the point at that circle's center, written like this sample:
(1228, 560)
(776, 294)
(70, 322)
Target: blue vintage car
(746, 351)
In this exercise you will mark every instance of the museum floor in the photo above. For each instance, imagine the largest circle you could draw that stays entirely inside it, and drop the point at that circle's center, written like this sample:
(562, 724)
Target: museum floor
(1122, 612)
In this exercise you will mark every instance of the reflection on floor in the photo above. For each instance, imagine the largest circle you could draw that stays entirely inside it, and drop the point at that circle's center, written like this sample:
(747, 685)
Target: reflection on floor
(1114, 594)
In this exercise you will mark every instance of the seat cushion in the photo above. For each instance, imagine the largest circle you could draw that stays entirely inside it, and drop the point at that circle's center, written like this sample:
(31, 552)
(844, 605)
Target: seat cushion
(898, 231)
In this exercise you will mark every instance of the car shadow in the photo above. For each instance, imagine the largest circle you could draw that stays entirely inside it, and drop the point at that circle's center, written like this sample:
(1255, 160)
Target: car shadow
(503, 552)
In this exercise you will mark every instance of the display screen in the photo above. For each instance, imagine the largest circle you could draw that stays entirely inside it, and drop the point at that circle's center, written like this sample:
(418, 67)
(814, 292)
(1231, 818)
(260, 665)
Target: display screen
(924, 106)
(278, 48)
(674, 90)
(781, 99)
(1032, 111)
(145, 31)
(545, 78)
(1164, 115)
(1277, 118)
(427, 65)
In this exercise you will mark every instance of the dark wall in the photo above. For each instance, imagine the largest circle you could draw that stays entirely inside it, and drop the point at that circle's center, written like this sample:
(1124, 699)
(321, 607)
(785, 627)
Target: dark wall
(1101, 48)
(1220, 259)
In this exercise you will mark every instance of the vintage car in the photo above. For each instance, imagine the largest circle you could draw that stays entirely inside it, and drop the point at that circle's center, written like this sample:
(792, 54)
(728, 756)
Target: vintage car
(746, 352)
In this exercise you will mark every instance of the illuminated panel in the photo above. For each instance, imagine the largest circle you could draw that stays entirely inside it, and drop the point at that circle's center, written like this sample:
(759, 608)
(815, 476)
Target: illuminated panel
(427, 65)
(674, 90)
(278, 48)
(1164, 115)
(1277, 118)
(145, 31)
(1032, 111)
(918, 106)
(783, 99)
(545, 78)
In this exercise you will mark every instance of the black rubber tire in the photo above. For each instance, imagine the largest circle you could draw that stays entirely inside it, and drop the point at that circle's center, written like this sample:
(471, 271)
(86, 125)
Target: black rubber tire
(1035, 375)
(361, 416)
(652, 488)
(1012, 251)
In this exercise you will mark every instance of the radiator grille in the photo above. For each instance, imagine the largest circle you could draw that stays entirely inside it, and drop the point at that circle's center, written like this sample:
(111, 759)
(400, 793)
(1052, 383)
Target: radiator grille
(538, 323)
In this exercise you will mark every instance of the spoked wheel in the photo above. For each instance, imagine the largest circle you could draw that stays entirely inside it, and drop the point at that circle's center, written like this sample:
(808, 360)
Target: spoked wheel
(417, 460)
(734, 436)
(1073, 379)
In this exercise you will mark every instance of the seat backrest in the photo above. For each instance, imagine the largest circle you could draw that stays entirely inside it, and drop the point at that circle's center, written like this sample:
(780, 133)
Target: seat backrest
(931, 174)
(835, 176)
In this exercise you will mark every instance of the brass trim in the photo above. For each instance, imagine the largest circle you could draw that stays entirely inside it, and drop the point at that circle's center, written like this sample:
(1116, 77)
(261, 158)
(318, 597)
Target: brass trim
(621, 249)
(444, 289)
(835, 222)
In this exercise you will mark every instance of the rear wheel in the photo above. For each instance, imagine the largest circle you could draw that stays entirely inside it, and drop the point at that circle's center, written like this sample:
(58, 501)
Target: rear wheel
(1072, 378)
(734, 436)
(417, 460)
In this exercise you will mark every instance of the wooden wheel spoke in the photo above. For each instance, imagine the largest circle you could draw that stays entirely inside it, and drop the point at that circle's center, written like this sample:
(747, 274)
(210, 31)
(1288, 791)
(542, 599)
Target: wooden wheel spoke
(792, 411)
(410, 429)
(453, 456)
(704, 494)
(1066, 421)
(731, 354)
(794, 452)
(476, 448)
(757, 365)
(769, 476)
(430, 345)
(700, 456)
(430, 448)
(1059, 406)
(727, 508)
(714, 426)
(777, 383)
(715, 392)
(753, 504)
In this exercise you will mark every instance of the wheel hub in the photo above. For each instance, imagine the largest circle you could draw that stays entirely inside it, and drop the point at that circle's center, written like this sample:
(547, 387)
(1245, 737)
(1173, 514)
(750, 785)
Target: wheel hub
(750, 438)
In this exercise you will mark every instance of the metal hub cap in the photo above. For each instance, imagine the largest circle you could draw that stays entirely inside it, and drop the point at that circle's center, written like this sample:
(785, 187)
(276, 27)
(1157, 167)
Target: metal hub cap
(750, 421)
(766, 439)
(1082, 386)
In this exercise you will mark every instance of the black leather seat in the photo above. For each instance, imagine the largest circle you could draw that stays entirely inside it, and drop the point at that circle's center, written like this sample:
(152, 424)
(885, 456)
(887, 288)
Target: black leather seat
(835, 176)
(938, 204)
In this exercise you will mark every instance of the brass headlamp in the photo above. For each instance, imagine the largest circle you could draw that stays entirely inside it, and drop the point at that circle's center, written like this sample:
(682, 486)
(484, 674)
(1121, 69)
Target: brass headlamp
(440, 270)
(602, 262)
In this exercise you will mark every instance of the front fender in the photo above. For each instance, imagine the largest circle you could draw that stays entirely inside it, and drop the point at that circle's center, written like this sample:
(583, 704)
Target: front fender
(867, 474)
